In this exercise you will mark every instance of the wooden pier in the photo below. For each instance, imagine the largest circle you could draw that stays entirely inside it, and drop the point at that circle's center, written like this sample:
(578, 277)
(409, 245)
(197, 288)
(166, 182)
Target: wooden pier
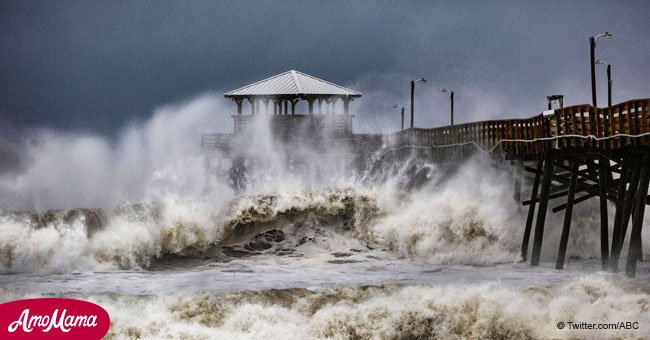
(578, 152)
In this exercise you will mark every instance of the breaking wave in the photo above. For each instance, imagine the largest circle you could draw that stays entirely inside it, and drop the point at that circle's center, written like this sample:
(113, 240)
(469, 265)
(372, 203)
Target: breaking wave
(456, 222)
(403, 202)
(133, 236)
(400, 206)
(463, 311)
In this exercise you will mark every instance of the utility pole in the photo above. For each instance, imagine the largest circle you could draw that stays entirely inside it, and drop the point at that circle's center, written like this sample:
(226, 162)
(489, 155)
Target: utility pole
(413, 95)
(451, 98)
(592, 63)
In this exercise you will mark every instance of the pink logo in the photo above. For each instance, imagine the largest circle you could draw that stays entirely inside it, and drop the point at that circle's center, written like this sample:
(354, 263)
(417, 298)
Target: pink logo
(53, 318)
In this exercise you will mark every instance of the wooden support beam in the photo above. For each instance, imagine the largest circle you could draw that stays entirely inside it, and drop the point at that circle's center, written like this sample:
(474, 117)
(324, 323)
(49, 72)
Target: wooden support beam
(564, 240)
(637, 223)
(603, 175)
(541, 214)
(553, 196)
(531, 212)
(582, 186)
(617, 242)
(576, 201)
(630, 196)
(584, 173)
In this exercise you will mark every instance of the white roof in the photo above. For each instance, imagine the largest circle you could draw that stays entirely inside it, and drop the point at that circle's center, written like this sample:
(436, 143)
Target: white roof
(292, 83)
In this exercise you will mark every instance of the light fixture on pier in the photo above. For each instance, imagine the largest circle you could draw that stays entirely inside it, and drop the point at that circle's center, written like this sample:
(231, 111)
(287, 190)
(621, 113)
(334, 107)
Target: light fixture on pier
(609, 81)
(592, 47)
(412, 94)
(451, 98)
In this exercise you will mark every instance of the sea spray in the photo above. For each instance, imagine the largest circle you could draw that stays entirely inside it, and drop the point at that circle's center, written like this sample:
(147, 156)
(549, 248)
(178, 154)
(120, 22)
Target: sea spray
(132, 236)
(145, 162)
(455, 222)
(471, 311)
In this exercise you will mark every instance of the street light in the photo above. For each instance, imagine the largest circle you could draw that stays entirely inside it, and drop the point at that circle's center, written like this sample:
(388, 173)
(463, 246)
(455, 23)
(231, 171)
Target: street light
(412, 93)
(451, 97)
(402, 107)
(609, 81)
(592, 47)
(601, 159)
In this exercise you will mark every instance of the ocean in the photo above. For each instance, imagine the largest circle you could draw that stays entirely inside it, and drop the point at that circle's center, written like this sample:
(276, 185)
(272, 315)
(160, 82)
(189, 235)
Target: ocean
(406, 249)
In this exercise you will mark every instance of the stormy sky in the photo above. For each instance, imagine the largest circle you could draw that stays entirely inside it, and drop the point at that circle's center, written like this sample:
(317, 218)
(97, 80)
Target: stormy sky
(96, 66)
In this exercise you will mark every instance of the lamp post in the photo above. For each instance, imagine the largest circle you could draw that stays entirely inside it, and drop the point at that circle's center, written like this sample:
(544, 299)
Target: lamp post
(400, 107)
(609, 96)
(592, 47)
(609, 81)
(412, 94)
(451, 97)
(602, 180)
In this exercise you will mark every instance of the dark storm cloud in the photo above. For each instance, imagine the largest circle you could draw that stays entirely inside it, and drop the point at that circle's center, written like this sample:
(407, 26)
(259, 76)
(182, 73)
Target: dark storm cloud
(95, 66)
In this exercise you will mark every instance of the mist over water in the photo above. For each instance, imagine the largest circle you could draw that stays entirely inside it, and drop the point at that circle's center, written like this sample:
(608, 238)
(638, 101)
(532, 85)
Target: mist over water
(311, 248)
(146, 161)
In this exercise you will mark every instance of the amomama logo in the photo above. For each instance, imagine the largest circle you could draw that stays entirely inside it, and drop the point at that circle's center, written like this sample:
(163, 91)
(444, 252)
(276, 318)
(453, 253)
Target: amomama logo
(52, 318)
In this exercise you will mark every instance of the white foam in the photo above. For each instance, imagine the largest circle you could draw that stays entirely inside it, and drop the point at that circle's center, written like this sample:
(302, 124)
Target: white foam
(487, 310)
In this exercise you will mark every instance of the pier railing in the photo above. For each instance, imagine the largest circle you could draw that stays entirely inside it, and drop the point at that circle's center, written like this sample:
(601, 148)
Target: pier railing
(574, 126)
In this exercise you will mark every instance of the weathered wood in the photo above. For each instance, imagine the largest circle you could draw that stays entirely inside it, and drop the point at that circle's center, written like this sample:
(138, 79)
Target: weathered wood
(543, 205)
(637, 223)
(576, 201)
(630, 196)
(561, 254)
(604, 228)
(553, 196)
(531, 212)
(617, 241)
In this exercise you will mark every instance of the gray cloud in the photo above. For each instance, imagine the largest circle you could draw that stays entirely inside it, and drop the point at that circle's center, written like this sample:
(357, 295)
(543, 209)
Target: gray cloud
(96, 66)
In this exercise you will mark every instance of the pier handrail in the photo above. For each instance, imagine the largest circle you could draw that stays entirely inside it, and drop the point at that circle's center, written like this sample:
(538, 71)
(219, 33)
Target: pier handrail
(577, 125)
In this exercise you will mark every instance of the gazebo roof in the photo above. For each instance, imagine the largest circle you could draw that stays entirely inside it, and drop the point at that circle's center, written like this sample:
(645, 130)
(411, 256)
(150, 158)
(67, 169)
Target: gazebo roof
(292, 84)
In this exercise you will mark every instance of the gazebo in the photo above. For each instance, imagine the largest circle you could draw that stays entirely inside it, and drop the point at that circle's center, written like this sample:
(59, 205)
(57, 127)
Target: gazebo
(289, 88)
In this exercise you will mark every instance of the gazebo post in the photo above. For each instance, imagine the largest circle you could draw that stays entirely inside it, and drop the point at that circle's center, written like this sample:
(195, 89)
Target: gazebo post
(346, 105)
(266, 105)
(250, 101)
(238, 101)
(293, 106)
(320, 106)
(286, 107)
(311, 106)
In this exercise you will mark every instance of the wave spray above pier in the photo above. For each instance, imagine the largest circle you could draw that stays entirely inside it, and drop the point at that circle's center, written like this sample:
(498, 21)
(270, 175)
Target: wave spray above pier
(293, 226)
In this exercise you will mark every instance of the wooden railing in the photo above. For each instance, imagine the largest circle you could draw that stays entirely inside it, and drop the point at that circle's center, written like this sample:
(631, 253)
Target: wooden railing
(574, 126)
(216, 141)
(328, 124)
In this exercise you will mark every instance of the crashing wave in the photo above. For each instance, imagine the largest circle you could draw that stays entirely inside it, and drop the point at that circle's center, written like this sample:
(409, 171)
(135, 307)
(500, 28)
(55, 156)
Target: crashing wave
(480, 311)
